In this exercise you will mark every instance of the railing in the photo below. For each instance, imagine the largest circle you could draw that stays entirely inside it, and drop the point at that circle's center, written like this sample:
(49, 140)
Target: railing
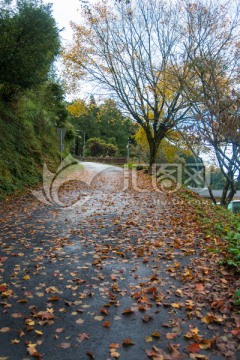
(104, 160)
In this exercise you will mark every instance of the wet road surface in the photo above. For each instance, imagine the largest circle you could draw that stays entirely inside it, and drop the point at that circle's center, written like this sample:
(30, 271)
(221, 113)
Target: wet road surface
(103, 280)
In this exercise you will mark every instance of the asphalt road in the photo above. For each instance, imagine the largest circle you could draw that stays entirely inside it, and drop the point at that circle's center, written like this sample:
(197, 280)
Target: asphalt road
(102, 280)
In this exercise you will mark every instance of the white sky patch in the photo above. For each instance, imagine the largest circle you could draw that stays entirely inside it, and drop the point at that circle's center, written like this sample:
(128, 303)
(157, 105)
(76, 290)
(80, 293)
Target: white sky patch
(65, 11)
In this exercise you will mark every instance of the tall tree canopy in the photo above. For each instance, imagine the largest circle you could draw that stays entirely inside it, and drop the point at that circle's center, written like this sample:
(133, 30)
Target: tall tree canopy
(128, 48)
(212, 86)
(29, 42)
(103, 121)
(149, 53)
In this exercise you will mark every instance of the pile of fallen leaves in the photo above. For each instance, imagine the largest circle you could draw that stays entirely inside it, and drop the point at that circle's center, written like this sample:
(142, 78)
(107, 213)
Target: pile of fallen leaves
(218, 224)
(132, 274)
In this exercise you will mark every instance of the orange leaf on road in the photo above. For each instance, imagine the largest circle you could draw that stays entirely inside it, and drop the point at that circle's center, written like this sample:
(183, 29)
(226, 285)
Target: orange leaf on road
(106, 324)
(199, 287)
(194, 348)
(128, 342)
(127, 311)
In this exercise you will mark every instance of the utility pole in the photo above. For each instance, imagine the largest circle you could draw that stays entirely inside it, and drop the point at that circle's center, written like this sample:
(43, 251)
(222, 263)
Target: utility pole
(128, 151)
(62, 133)
(84, 145)
(61, 144)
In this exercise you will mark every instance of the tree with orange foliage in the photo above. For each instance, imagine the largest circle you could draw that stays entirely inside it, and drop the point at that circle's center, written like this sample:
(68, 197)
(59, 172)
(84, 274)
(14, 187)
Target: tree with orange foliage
(129, 49)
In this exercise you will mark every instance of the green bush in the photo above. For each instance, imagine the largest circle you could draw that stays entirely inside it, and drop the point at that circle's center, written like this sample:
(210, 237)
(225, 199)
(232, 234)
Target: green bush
(99, 147)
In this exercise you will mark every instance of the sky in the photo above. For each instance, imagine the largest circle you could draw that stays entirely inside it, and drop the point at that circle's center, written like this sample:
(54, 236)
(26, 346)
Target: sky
(65, 11)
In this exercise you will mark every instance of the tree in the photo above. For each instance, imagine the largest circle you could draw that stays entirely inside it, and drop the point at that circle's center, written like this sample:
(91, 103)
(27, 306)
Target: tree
(113, 125)
(103, 121)
(211, 88)
(172, 148)
(29, 43)
(217, 179)
(77, 108)
(99, 147)
(54, 99)
(130, 48)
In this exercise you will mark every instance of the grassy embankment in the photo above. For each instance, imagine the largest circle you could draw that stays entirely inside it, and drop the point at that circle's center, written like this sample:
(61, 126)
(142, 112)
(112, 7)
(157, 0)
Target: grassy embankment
(28, 139)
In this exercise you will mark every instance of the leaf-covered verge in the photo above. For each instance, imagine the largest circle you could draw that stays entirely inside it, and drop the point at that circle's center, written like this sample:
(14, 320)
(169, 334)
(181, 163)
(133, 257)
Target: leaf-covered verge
(218, 224)
(222, 231)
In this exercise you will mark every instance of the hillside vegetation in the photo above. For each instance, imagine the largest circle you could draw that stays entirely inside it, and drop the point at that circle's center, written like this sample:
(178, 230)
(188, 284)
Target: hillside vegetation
(27, 140)
(31, 99)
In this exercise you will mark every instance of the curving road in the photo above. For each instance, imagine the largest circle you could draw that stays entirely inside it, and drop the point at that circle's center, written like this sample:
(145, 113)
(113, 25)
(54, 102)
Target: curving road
(106, 279)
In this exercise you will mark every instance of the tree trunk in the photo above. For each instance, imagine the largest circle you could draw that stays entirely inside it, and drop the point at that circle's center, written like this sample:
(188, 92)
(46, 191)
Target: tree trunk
(153, 152)
(154, 146)
(154, 142)
(224, 193)
(232, 192)
(211, 195)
